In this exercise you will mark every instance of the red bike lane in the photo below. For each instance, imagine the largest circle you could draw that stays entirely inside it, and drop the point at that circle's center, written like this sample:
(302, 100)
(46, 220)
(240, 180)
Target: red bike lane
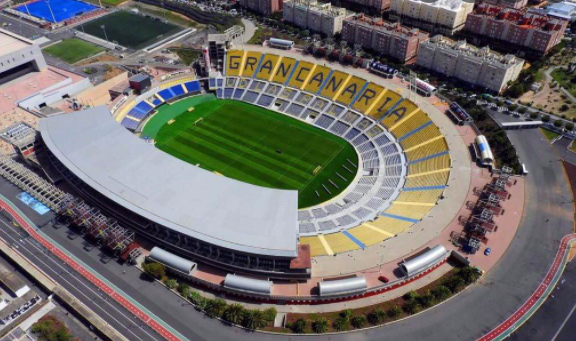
(91, 277)
(504, 329)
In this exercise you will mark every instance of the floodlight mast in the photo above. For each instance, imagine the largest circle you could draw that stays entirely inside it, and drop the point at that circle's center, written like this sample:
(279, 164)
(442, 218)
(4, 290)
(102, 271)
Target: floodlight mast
(50, 9)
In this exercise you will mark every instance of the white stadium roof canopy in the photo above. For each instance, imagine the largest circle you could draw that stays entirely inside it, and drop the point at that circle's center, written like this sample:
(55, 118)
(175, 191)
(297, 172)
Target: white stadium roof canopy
(180, 196)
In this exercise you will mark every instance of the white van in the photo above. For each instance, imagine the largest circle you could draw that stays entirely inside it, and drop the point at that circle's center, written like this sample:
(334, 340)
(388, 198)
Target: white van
(524, 170)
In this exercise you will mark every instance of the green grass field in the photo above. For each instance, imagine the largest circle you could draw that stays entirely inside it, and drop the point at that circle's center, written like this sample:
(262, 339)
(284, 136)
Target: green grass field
(128, 29)
(73, 50)
(255, 145)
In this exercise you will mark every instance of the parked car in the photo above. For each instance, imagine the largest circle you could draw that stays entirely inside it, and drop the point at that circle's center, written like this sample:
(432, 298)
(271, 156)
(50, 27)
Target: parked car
(383, 279)
(487, 251)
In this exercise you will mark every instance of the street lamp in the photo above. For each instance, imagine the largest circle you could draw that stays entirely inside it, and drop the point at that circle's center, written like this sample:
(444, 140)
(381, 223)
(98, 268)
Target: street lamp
(105, 35)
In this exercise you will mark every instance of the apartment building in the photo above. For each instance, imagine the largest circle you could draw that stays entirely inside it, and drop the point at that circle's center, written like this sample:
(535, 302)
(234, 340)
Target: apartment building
(440, 16)
(476, 66)
(390, 39)
(315, 16)
(517, 4)
(533, 33)
(266, 7)
(366, 6)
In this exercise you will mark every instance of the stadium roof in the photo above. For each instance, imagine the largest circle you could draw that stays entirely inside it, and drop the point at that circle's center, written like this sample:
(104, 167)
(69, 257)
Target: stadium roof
(198, 203)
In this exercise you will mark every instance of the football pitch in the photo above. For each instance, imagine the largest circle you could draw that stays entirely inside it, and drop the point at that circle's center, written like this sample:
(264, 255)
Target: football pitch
(128, 29)
(257, 146)
(73, 50)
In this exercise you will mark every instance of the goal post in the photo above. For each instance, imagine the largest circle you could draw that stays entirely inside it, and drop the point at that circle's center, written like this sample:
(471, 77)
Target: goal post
(198, 121)
(317, 170)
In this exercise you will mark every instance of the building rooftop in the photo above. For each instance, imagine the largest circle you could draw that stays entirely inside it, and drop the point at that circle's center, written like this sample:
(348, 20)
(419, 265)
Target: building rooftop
(385, 26)
(524, 18)
(10, 42)
(170, 192)
(325, 8)
(452, 5)
(462, 47)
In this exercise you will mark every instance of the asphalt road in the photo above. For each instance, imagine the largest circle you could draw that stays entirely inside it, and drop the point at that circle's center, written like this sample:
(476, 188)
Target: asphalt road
(556, 318)
(22, 28)
(109, 310)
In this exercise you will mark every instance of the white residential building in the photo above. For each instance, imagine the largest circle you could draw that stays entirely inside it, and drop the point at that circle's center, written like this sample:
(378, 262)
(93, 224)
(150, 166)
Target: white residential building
(444, 16)
(315, 16)
(477, 66)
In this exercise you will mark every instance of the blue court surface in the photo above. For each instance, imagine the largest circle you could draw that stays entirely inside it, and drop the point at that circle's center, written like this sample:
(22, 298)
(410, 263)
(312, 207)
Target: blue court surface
(62, 9)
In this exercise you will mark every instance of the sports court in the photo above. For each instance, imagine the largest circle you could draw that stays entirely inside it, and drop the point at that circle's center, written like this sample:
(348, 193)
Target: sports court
(56, 11)
(131, 30)
(258, 146)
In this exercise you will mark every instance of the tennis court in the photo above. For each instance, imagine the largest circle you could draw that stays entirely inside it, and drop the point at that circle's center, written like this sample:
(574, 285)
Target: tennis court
(56, 11)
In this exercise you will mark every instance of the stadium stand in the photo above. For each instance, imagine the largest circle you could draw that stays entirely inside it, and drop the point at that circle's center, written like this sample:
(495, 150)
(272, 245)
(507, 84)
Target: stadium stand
(404, 158)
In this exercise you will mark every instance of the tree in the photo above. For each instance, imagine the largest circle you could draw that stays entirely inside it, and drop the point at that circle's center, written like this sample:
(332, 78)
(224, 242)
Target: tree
(270, 314)
(186, 292)
(376, 316)
(569, 126)
(455, 283)
(234, 313)
(215, 308)
(394, 312)
(411, 295)
(254, 319)
(346, 314)
(182, 287)
(320, 326)
(411, 306)
(441, 293)
(558, 123)
(427, 300)
(545, 118)
(340, 324)
(523, 110)
(171, 283)
(299, 326)
(154, 270)
(533, 115)
(197, 300)
(358, 321)
(469, 274)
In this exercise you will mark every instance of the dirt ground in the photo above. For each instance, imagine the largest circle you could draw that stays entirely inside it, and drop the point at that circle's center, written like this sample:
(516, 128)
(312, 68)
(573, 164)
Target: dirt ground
(549, 99)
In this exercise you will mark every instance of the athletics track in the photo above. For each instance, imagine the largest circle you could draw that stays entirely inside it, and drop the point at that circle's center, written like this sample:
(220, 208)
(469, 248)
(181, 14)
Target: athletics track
(501, 332)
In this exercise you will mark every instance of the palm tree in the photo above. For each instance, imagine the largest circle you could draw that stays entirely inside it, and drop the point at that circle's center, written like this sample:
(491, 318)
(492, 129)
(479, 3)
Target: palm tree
(376, 316)
(254, 319)
(234, 313)
(299, 326)
(470, 274)
(215, 308)
(320, 325)
(358, 321)
(340, 324)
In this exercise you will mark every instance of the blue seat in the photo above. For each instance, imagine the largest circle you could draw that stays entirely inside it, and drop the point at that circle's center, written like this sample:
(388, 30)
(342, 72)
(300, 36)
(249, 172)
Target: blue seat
(144, 107)
(166, 94)
(193, 86)
(156, 102)
(137, 114)
(177, 90)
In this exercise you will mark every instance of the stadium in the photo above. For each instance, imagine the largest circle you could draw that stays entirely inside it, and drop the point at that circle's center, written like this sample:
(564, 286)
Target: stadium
(259, 171)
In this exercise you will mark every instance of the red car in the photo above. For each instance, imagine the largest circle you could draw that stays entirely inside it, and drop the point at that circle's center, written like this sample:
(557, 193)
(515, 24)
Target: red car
(383, 279)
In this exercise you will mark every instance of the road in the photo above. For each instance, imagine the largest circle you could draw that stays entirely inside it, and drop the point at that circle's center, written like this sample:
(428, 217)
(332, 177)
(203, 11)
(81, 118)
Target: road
(21, 28)
(556, 319)
(109, 310)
